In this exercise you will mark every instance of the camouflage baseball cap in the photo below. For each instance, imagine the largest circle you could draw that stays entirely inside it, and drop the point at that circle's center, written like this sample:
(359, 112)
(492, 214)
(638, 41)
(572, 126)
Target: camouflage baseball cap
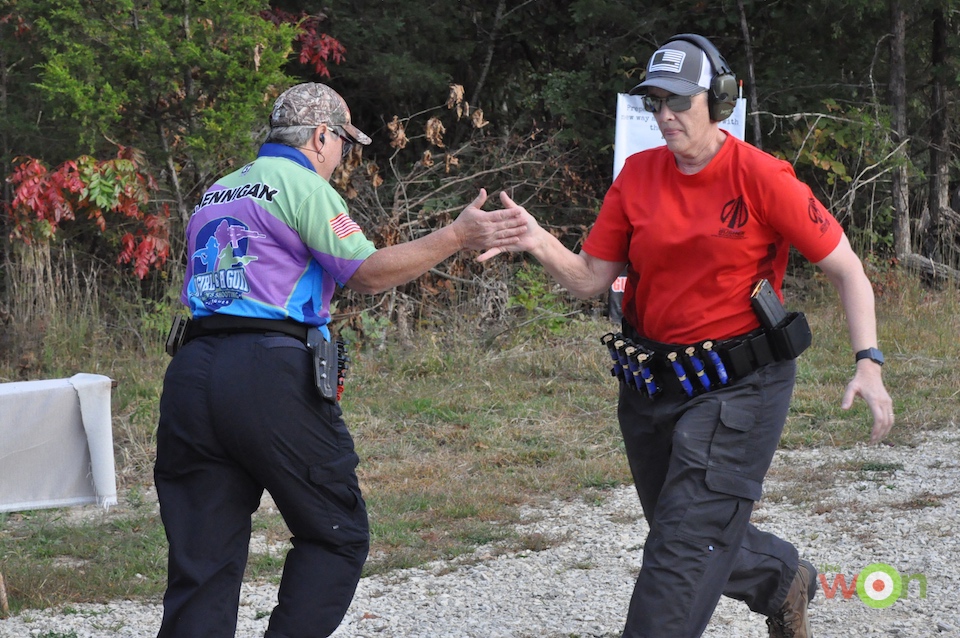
(312, 104)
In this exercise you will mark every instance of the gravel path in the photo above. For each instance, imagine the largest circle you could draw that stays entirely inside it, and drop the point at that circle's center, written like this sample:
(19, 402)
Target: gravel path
(844, 509)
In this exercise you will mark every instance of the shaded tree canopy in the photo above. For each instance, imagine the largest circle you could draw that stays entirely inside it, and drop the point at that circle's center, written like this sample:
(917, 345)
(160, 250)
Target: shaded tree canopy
(189, 85)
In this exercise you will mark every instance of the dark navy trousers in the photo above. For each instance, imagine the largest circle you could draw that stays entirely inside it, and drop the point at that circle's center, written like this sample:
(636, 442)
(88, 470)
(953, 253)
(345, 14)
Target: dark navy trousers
(240, 414)
(698, 465)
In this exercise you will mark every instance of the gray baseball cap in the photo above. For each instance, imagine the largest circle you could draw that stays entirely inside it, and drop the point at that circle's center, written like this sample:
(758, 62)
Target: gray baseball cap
(679, 67)
(312, 104)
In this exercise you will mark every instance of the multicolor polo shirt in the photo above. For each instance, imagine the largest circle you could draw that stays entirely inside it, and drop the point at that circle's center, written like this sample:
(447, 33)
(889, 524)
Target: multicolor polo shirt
(271, 240)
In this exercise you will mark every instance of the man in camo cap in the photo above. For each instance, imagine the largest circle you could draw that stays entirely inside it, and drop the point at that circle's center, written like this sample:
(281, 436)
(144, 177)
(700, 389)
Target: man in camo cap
(241, 409)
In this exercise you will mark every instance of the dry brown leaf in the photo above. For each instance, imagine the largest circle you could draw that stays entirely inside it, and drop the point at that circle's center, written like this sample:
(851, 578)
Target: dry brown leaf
(435, 130)
(450, 160)
(456, 95)
(398, 136)
(477, 119)
(354, 159)
(373, 173)
(427, 158)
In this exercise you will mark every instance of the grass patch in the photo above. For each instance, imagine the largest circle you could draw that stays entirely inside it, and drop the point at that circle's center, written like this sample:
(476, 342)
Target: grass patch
(917, 329)
(923, 501)
(456, 433)
(49, 560)
(876, 466)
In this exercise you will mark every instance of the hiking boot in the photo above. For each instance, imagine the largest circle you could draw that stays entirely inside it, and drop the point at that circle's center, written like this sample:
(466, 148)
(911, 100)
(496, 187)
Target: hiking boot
(791, 621)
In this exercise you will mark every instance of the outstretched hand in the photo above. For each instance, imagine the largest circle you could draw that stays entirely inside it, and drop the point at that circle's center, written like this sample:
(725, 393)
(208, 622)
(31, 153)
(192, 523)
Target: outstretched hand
(867, 383)
(478, 229)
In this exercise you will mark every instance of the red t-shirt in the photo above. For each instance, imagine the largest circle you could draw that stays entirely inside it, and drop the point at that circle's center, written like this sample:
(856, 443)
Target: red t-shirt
(696, 244)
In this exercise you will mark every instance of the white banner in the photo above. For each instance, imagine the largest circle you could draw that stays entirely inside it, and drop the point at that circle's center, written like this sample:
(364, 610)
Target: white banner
(56, 443)
(637, 130)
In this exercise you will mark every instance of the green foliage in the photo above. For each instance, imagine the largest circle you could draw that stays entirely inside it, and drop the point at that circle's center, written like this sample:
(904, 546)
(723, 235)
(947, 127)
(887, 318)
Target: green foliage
(197, 77)
(841, 151)
(371, 330)
(544, 303)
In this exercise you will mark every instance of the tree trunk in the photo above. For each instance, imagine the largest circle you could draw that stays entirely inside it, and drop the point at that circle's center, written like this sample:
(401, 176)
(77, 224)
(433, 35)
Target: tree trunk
(751, 77)
(4, 145)
(898, 104)
(939, 140)
(491, 44)
(177, 245)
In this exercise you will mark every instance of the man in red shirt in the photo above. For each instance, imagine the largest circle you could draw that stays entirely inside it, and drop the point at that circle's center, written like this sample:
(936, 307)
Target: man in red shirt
(698, 222)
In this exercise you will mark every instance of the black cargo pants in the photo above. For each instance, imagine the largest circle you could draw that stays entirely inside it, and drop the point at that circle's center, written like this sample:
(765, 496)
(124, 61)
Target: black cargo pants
(240, 413)
(698, 465)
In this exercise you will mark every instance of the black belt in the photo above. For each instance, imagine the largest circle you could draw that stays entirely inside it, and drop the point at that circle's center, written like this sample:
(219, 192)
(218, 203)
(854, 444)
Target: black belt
(692, 369)
(329, 358)
(220, 324)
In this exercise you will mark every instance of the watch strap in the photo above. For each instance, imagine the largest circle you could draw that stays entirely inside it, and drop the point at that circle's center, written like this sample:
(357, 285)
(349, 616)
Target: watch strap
(873, 354)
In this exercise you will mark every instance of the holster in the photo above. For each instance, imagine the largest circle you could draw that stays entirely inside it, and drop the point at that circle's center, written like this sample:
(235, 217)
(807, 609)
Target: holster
(177, 334)
(324, 364)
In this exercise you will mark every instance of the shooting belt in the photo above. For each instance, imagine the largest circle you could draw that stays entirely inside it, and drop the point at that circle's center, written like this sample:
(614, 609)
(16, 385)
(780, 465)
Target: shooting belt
(662, 369)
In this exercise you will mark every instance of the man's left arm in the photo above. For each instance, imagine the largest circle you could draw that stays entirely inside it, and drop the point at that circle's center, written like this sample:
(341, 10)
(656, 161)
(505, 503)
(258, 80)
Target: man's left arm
(845, 271)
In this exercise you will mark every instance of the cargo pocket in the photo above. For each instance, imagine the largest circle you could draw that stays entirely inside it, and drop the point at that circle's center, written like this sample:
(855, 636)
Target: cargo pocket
(717, 519)
(337, 483)
(732, 467)
(336, 478)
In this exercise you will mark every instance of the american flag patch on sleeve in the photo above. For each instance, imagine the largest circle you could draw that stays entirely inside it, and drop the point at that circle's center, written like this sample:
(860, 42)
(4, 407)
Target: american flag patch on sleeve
(343, 226)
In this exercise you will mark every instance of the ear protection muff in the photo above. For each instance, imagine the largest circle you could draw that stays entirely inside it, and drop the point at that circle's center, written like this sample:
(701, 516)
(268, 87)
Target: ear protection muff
(723, 92)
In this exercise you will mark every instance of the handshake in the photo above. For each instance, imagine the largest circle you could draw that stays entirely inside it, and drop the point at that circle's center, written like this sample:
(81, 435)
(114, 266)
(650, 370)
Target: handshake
(506, 229)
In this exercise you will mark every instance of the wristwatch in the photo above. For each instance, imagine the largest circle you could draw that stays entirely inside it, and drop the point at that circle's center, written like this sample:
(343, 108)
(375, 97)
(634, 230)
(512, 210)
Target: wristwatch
(871, 353)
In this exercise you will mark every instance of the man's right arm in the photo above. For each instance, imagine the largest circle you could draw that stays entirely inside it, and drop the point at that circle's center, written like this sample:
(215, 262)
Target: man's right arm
(473, 229)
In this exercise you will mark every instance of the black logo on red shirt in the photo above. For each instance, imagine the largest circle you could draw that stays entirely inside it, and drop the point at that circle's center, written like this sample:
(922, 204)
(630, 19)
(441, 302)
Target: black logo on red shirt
(818, 215)
(813, 210)
(735, 214)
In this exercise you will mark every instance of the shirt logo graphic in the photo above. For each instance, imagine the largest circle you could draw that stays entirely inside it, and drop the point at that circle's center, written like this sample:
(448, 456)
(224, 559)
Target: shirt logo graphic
(343, 226)
(735, 213)
(220, 261)
(734, 216)
(815, 213)
(669, 61)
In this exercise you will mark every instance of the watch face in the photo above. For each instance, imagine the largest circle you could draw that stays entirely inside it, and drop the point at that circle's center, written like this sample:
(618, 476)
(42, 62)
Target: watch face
(871, 353)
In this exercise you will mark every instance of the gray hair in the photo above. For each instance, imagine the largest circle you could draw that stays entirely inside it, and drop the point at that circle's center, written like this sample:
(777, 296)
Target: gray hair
(291, 135)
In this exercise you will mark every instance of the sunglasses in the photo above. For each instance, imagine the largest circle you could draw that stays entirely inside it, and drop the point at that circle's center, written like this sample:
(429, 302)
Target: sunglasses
(348, 143)
(676, 103)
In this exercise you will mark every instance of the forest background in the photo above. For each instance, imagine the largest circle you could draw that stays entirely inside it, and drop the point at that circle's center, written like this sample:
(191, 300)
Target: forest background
(116, 115)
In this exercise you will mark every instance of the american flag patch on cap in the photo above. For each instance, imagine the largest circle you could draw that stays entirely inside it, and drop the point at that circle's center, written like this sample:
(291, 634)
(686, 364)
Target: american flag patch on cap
(343, 226)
